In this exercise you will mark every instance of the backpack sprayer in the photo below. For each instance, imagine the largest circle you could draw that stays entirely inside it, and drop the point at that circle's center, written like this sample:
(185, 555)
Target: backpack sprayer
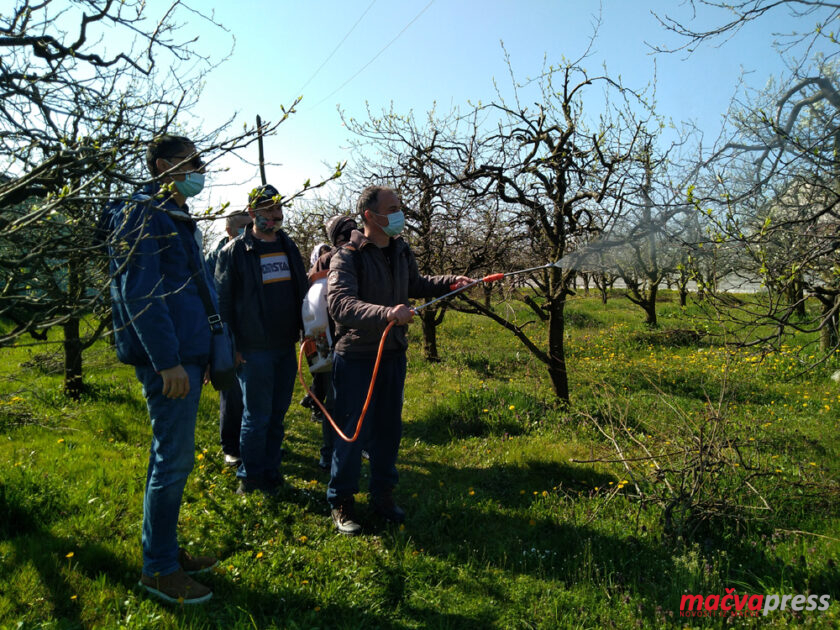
(317, 357)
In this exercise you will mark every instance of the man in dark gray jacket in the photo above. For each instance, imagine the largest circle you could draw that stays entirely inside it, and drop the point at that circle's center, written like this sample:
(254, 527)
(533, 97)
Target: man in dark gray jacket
(370, 281)
(261, 282)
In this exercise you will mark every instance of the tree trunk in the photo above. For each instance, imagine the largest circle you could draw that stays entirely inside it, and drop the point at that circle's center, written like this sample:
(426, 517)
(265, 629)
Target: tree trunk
(683, 287)
(488, 290)
(556, 350)
(430, 351)
(829, 333)
(72, 343)
(650, 306)
(73, 384)
(796, 295)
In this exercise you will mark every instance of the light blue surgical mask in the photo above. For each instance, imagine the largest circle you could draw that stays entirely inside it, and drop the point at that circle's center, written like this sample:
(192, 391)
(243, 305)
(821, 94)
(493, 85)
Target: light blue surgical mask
(396, 222)
(192, 185)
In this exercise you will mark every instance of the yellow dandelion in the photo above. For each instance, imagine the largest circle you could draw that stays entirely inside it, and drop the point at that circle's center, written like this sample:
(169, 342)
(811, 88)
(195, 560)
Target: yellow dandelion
(512, 407)
(813, 463)
(402, 527)
(70, 555)
(61, 440)
(259, 555)
(305, 582)
(472, 492)
(303, 539)
(74, 596)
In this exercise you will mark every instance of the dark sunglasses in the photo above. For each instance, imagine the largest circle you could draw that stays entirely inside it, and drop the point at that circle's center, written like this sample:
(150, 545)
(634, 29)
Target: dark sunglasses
(195, 161)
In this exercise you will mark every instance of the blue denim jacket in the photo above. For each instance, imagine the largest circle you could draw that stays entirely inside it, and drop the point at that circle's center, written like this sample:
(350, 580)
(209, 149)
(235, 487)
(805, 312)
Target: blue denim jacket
(159, 318)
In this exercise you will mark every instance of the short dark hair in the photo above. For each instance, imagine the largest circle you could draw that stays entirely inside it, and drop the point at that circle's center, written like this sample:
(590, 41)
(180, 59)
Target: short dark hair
(165, 146)
(370, 198)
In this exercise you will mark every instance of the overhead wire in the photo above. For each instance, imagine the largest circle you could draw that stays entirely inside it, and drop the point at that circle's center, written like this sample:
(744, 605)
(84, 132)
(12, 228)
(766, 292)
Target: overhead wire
(343, 39)
(376, 56)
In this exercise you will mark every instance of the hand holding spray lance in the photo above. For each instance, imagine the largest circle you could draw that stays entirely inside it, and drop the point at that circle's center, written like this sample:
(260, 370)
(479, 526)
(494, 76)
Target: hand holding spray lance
(486, 279)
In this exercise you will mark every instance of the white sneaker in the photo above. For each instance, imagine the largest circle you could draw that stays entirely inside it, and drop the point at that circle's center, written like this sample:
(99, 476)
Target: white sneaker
(232, 460)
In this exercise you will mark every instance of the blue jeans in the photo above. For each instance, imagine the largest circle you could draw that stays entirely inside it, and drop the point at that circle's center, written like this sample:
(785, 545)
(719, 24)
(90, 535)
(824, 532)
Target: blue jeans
(267, 378)
(381, 430)
(230, 418)
(171, 459)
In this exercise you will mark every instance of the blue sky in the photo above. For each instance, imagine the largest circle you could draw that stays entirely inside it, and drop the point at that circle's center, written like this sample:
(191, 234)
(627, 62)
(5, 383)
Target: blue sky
(450, 54)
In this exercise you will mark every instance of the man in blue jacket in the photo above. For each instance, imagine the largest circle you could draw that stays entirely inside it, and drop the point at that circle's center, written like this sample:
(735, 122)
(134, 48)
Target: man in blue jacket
(262, 282)
(161, 328)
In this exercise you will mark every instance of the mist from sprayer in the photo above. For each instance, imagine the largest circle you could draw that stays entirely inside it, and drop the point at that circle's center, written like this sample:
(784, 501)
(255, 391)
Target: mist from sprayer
(618, 250)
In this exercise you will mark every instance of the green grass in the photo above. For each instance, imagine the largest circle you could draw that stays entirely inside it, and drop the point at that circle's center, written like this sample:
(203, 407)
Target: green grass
(504, 530)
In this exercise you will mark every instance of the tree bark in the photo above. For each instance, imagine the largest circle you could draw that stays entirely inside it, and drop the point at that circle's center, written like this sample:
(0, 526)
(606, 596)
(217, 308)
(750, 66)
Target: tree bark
(556, 350)
(73, 384)
(650, 306)
(830, 331)
(430, 323)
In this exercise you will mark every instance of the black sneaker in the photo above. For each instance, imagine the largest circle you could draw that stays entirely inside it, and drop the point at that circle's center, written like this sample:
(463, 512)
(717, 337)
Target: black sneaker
(307, 402)
(384, 506)
(344, 517)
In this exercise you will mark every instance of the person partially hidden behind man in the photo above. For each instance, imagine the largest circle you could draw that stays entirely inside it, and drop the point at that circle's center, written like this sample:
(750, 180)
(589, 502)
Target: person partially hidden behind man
(230, 400)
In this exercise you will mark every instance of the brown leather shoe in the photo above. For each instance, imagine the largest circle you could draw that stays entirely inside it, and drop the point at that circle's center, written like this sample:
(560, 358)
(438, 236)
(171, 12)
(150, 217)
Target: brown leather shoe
(193, 565)
(176, 588)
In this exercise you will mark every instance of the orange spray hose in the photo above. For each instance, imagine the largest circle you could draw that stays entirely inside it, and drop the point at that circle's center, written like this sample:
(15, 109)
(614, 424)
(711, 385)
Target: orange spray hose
(490, 278)
(369, 394)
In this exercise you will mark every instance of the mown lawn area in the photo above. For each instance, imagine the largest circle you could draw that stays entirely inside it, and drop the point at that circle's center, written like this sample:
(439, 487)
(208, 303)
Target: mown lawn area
(731, 483)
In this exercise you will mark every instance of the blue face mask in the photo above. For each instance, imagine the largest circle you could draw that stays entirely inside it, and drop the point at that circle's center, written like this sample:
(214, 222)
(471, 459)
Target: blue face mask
(396, 222)
(192, 185)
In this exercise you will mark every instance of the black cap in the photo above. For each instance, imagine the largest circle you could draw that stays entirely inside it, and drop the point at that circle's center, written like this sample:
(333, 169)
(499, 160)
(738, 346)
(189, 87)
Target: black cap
(338, 225)
(262, 193)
